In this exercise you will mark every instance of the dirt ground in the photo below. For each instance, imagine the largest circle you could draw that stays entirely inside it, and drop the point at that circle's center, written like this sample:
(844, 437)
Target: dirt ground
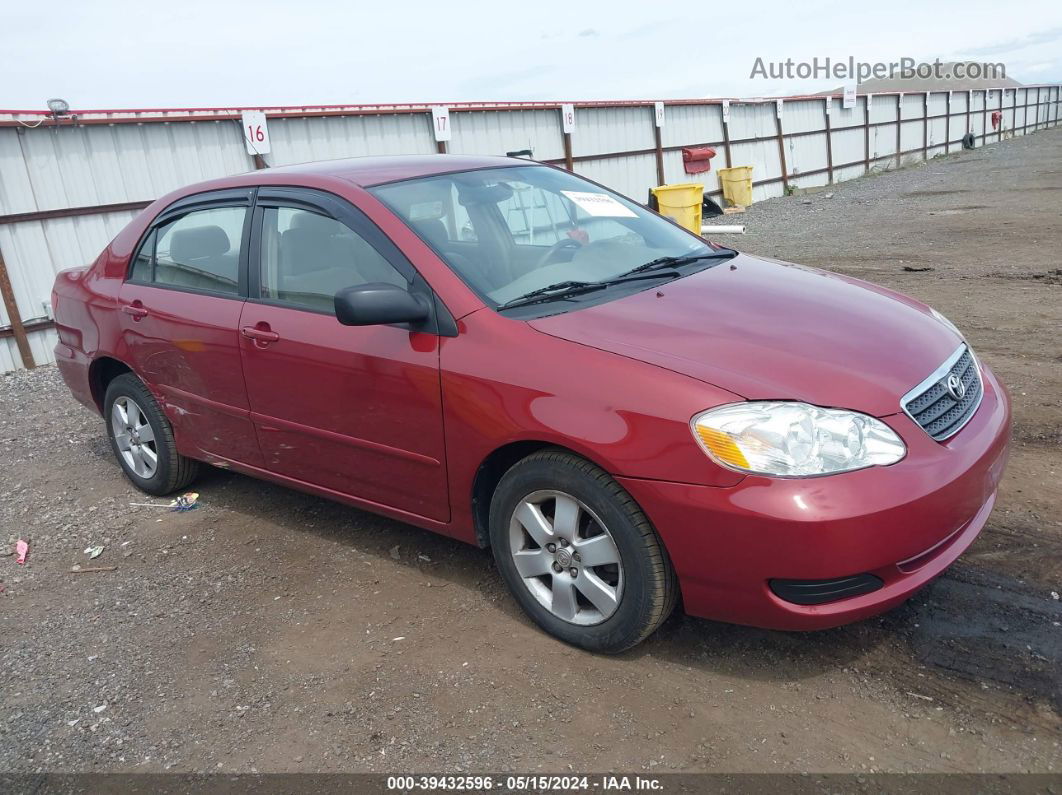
(272, 631)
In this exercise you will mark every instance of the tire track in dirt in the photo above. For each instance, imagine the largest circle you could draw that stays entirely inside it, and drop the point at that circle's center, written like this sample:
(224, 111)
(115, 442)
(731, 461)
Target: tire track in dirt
(991, 629)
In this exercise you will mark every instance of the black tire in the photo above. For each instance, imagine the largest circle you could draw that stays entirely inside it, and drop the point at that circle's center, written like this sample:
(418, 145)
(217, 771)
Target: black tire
(650, 588)
(173, 470)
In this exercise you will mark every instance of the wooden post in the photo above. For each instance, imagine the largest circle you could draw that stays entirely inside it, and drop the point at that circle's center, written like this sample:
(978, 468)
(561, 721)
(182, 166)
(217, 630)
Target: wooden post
(1014, 114)
(925, 126)
(947, 124)
(259, 162)
(14, 318)
(659, 148)
(829, 139)
(984, 118)
(566, 140)
(866, 133)
(781, 151)
(899, 127)
(440, 147)
(726, 137)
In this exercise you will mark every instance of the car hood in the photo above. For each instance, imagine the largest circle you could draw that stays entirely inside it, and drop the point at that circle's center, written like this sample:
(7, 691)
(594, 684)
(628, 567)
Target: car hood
(771, 330)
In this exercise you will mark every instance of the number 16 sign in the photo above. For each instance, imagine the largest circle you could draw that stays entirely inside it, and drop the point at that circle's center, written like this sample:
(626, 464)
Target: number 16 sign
(255, 132)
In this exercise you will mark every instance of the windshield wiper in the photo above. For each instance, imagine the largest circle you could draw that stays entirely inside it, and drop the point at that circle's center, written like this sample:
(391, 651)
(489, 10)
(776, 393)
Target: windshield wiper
(565, 289)
(675, 262)
(551, 291)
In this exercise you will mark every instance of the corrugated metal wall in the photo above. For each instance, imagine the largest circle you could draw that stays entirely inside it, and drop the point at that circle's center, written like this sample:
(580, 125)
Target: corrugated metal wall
(112, 158)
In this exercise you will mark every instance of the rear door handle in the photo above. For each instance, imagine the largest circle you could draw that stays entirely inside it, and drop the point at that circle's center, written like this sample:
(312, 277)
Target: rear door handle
(259, 335)
(136, 312)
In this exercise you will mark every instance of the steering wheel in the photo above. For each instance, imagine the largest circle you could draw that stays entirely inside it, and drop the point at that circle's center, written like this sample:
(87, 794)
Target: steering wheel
(555, 249)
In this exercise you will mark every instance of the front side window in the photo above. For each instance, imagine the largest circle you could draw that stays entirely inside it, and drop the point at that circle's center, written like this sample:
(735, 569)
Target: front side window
(307, 258)
(200, 250)
(510, 231)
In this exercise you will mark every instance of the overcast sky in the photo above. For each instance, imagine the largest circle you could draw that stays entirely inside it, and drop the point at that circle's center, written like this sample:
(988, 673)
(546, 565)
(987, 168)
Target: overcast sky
(190, 53)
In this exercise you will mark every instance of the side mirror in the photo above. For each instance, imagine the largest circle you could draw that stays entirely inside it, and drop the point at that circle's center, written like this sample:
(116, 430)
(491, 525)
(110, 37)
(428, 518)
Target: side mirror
(378, 304)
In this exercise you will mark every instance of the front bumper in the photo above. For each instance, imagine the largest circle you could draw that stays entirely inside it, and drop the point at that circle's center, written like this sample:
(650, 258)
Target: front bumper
(903, 524)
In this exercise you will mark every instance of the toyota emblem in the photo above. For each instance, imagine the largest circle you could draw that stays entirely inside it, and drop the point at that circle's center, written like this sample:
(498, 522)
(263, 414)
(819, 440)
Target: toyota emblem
(956, 388)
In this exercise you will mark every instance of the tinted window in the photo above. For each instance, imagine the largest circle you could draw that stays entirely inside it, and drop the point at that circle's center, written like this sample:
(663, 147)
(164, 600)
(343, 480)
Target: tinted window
(307, 258)
(200, 250)
(509, 231)
(535, 217)
(141, 270)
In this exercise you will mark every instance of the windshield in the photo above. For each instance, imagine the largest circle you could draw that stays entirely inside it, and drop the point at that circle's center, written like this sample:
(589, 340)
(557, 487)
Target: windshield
(511, 231)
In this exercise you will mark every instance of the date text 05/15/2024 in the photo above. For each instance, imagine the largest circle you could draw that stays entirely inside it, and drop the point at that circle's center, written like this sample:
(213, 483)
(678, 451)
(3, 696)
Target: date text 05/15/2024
(516, 783)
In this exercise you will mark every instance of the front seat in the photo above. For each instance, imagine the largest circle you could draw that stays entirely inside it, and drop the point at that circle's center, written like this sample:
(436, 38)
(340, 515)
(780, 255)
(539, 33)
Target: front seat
(433, 231)
(313, 264)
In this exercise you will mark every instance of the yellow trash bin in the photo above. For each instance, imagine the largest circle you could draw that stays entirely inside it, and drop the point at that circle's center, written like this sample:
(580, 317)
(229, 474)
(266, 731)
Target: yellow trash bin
(737, 185)
(681, 203)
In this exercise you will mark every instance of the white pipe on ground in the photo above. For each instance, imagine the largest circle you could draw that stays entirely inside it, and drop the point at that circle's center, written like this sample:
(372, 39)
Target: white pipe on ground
(723, 229)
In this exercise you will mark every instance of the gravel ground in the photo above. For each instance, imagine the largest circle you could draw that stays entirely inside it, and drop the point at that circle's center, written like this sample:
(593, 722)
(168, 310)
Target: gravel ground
(273, 631)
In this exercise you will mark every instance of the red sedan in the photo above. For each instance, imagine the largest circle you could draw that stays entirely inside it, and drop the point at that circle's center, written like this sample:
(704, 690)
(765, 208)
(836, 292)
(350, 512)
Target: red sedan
(519, 358)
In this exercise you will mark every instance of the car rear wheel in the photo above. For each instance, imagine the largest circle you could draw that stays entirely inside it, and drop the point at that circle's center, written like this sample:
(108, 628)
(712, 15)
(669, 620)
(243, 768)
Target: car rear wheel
(142, 438)
(578, 553)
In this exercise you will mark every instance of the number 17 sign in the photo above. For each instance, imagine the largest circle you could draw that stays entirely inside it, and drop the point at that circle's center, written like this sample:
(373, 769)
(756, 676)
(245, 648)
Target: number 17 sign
(440, 119)
(255, 132)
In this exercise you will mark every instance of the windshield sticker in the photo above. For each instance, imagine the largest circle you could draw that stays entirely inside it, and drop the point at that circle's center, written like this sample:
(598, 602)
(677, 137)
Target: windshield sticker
(599, 204)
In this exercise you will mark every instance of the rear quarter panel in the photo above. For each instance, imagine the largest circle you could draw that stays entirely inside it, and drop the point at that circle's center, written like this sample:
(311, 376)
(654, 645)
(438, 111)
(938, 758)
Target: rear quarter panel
(87, 327)
(84, 302)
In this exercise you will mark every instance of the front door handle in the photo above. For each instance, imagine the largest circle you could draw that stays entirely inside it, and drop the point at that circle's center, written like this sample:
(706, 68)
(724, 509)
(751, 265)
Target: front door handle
(259, 335)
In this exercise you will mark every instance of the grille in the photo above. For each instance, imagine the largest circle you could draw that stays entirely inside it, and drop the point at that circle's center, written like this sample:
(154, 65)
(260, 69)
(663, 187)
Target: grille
(932, 405)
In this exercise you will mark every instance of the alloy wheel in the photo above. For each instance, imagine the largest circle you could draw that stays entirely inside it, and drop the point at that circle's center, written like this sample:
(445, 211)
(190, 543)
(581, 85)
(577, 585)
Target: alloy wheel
(566, 557)
(134, 437)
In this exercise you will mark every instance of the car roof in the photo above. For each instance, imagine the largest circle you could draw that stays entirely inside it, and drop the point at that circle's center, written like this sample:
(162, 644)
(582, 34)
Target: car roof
(376, 170)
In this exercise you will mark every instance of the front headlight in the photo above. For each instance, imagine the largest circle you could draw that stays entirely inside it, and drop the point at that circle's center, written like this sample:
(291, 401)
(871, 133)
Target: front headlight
(795, 439)
(946, 322)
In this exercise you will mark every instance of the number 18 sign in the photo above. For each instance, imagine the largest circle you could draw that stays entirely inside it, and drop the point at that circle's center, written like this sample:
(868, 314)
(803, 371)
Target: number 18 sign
(255, 132)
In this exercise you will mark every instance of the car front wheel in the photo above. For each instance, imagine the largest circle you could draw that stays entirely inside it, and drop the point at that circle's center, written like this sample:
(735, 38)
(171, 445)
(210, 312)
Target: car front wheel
(578, 553)
(142, 438)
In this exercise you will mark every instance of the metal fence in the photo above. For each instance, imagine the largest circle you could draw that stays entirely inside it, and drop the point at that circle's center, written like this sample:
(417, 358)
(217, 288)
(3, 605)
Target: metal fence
(69, 184)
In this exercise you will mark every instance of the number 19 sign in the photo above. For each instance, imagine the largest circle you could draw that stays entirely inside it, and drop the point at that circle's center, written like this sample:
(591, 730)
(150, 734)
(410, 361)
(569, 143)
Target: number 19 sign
(255, 132)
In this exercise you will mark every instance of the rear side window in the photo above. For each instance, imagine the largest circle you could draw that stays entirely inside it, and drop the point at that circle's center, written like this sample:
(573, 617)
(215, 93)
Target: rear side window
(200, 251)
(144, 261)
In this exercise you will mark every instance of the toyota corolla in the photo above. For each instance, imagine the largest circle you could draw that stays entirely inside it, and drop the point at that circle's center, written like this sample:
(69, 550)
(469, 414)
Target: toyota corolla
(516, 357)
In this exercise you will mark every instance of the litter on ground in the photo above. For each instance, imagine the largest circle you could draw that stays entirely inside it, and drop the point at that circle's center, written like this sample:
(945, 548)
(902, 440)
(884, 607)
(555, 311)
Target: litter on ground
(186, 502)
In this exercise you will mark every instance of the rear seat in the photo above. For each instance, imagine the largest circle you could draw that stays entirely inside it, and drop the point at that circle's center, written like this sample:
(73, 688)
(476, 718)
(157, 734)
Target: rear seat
(201, 258)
